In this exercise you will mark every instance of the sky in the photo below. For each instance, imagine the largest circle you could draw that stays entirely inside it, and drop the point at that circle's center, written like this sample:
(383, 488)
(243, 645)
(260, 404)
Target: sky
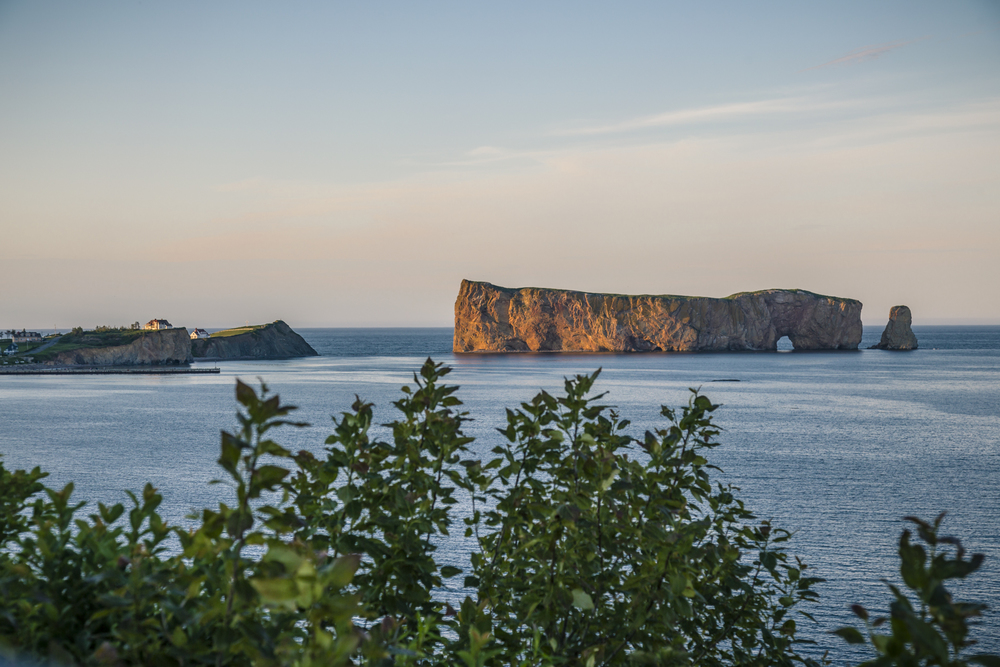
(349, 163)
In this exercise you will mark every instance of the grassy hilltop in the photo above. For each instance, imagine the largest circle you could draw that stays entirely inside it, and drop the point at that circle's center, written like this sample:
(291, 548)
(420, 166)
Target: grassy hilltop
(79, 339)
(236, 331)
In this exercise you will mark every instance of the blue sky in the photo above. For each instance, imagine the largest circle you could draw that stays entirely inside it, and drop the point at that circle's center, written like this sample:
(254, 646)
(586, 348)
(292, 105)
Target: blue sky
(342, 164)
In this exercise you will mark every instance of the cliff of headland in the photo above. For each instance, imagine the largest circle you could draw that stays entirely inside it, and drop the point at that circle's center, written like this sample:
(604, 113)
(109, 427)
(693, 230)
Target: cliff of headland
(147, 348)
(489, 318)
(897, 334)
(269, 341)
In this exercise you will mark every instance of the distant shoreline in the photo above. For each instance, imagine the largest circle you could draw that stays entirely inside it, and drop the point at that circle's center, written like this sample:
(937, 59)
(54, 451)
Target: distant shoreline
(105, 370)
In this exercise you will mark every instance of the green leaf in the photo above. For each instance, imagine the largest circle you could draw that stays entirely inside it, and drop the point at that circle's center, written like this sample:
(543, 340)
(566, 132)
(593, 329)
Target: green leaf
(230, 455)
(287, 556)
(581, 600)
(926, 636)
(850, 635)
(267, 477)
(343, 569)
(886, 644)
(278, 591)
(274, 449)
(609, 480)
(245, 394)
(448, 571)
(913, 559)
(178, 637)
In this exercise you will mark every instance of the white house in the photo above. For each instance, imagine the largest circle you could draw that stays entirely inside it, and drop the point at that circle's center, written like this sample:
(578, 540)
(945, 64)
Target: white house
(199, 333)
(10, 349)
(23, 336)
(158, 324)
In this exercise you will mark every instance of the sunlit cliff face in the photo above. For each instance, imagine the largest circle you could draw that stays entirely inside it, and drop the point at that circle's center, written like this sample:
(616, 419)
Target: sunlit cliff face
(496, 319)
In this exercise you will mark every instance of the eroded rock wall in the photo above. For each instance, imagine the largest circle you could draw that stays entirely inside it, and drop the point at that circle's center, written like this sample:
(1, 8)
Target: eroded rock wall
(897, 334)
(152, 348)
(489, 318)
(274, 341)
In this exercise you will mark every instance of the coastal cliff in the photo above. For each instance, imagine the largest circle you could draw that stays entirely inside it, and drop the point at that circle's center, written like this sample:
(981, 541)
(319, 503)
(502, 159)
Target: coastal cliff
(489, 318)
(148, 348)
(271, 341)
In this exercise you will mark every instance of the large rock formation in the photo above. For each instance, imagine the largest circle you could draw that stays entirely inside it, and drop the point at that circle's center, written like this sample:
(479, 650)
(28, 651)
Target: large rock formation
(498, 319)
(150, 348)
(897, 334)
(272, 341)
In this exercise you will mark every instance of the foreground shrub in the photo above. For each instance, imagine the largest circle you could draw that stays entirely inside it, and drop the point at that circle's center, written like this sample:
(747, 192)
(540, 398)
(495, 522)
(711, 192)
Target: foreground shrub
(601, 551)
(926, 627)
(592, 548)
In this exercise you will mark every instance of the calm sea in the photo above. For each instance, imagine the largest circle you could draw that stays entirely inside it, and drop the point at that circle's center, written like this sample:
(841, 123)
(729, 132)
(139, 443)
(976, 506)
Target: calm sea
(835, 446)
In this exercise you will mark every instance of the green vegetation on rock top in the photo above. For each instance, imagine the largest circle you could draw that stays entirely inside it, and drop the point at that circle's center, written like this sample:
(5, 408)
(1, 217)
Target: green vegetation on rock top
(104, 337)
(792, 291)
(673, 297)
(236, 331)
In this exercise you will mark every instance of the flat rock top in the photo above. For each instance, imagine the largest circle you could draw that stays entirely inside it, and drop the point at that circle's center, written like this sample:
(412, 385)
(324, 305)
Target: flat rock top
(775, 292)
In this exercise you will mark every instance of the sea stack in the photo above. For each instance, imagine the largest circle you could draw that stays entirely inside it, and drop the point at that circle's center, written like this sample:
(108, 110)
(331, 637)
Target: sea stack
(897, 335)
(489, 318)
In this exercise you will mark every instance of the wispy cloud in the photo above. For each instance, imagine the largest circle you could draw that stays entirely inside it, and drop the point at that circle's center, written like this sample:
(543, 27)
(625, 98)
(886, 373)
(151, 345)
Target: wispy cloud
(782, 105)
(867, 53)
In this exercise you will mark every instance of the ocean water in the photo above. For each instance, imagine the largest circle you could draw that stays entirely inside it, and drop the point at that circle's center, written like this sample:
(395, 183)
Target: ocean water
(835, 446)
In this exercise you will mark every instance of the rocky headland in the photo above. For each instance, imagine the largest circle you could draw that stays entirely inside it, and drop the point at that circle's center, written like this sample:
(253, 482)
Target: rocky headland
(271, 341)
(148, 348)
(489, 318)
(897, 334)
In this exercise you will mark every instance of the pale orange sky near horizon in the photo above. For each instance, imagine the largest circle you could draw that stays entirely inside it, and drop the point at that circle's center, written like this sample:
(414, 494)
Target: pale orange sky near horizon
(335, 166)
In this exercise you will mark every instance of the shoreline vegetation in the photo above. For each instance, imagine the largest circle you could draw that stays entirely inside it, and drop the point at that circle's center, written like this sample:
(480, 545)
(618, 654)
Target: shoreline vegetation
(104, 370)
(591, 548)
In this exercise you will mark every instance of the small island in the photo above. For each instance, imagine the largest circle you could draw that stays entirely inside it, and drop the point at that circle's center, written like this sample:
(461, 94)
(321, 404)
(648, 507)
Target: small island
(262, 341)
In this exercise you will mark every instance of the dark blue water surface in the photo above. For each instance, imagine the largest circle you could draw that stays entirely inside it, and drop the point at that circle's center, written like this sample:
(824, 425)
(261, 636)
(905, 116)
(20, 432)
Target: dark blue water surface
(836, 446)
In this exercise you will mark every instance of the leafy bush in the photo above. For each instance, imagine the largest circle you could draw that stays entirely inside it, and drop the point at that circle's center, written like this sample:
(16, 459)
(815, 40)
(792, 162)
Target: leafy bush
(593, 549)
(933, 629)
(600, 553)
(105, 590)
